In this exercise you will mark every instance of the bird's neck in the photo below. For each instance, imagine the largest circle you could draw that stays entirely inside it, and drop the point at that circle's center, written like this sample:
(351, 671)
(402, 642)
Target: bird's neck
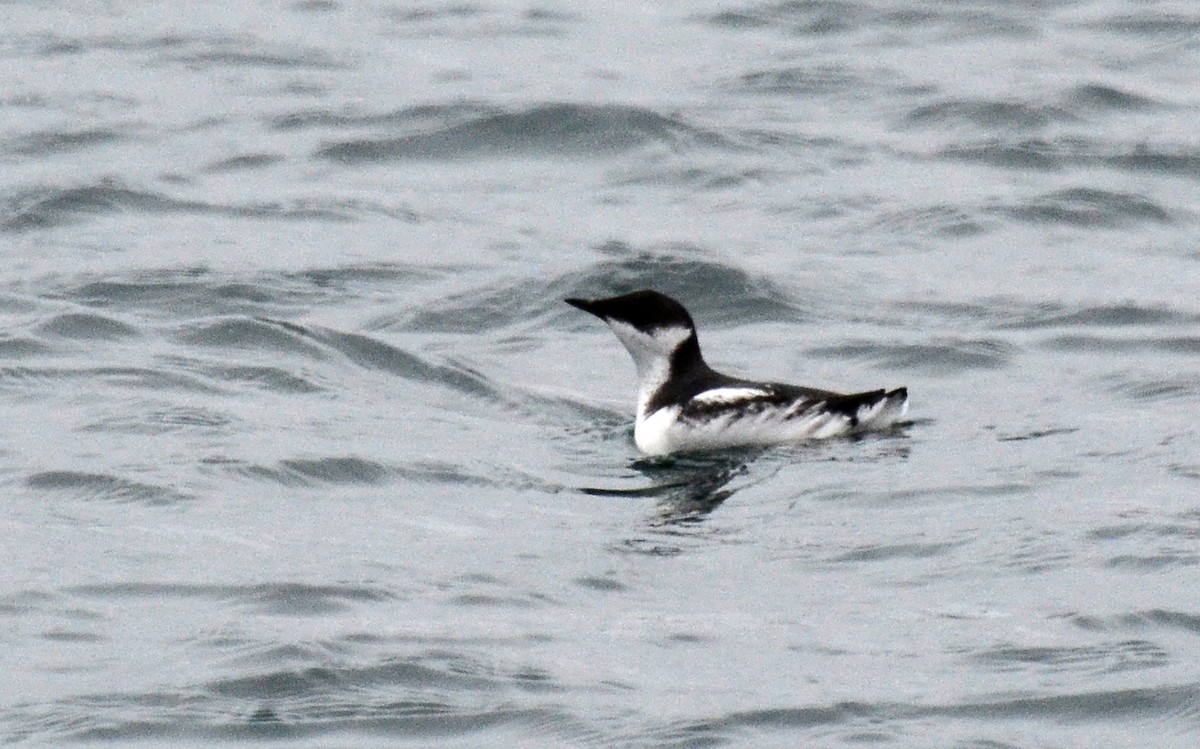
(656, 372)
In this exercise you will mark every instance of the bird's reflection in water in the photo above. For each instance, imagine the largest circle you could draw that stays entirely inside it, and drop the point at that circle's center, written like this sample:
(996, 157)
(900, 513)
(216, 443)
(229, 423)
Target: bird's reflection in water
(688, 489)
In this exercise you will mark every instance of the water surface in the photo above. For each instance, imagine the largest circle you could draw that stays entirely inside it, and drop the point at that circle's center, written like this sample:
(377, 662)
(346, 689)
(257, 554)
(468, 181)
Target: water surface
(299, 442)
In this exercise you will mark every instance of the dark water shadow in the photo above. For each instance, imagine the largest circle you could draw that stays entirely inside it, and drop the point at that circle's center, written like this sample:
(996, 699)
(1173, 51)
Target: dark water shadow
(700, 484)
(687, 488)
(875, 723)
(550, 129)
(440, 695)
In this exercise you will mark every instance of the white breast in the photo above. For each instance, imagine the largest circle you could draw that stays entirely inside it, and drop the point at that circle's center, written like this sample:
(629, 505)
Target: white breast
(653, 433)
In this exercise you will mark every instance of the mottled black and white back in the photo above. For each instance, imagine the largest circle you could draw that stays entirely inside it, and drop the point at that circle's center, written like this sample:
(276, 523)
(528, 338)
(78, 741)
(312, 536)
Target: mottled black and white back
(684, 405)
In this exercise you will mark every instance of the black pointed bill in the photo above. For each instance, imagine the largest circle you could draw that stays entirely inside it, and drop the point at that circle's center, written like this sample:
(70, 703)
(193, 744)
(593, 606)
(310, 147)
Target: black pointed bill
(585, 305)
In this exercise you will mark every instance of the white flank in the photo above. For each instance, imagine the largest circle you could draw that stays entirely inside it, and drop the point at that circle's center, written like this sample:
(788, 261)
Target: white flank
(728, 395)
(662, 432)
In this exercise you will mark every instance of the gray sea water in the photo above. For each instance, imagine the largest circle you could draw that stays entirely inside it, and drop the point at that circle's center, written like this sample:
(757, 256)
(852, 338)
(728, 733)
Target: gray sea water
(299, 444)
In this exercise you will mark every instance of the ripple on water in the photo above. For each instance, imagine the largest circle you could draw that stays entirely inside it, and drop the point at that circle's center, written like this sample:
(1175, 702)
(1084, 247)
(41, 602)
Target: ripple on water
(273, 598)
(141, 378)
(21, 347)
(49, 207)
(821, 80)
(1101, 316)
(1141, 544)
(1071, 106)
(244, 162)
(1181, 159)
(250, 333)
(578, 130)
(1089, 207)
(1092, 660)
(1187, 345)
(799, 18)
(1150, 22)
(104, 487)
(1103, 98)
(189, 293)
(929, 221)
(371, 353)
(1142, 388)
(1140, 621)
(988, 114)
(943, 23)
(269, 378)
(601, 584)
(164, 421)
(1037, 434)
(1090, 713)
(49, 142)
(720, 176)
(934, 358)
(341, 470)
(488, 592)
(717, 292)
(235, 52)
(295, 472)
(419, 117)
(88, 326)
(435, 695)
(893, 552)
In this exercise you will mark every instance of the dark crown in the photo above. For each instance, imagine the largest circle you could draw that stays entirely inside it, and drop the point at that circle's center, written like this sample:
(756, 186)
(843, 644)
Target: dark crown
(646, 310)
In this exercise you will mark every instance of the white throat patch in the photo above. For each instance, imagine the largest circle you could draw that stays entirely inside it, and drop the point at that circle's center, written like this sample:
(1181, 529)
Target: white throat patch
(651, 354)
